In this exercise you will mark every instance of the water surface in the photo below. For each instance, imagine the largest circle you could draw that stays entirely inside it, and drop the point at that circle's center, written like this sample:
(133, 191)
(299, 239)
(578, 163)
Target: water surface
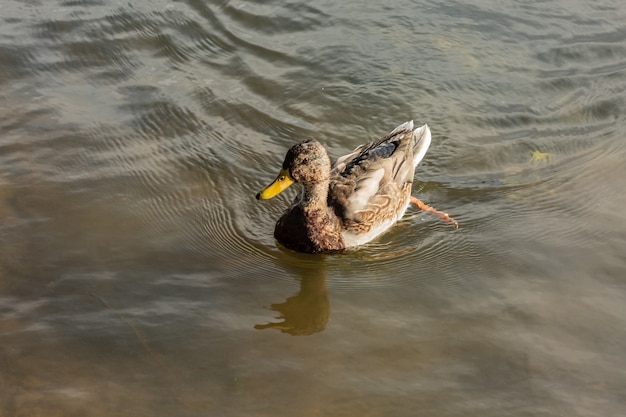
(139, 276)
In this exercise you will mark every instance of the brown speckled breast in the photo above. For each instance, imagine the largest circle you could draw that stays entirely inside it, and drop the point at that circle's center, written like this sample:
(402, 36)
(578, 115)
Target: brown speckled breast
(309, 231)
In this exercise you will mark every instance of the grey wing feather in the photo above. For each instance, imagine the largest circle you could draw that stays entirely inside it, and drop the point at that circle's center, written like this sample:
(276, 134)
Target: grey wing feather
(364, 181)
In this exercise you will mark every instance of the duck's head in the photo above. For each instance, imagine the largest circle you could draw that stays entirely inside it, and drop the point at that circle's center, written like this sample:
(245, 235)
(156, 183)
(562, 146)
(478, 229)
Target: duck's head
(306, 163)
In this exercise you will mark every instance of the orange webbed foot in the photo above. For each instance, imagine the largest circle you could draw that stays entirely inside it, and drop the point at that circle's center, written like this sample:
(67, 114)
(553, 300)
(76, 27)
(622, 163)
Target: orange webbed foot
(423, 206)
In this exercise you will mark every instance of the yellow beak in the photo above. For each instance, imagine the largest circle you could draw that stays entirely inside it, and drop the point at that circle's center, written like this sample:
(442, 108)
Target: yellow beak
(280, 184)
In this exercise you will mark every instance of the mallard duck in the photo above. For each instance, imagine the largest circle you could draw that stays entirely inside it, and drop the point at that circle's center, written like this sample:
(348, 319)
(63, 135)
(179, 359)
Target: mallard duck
(361, 196)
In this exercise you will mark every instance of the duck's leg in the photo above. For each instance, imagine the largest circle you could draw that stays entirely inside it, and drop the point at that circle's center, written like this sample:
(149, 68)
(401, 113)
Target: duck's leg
(423, 206)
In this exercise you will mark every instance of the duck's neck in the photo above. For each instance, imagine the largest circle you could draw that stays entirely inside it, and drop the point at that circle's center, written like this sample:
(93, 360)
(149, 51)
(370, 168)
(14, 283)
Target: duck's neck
(315, 196)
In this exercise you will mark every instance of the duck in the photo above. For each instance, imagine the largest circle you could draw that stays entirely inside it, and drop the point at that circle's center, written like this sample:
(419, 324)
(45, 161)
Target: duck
(353, 201)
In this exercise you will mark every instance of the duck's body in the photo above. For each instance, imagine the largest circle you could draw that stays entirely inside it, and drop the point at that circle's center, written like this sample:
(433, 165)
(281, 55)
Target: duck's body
(363, 195)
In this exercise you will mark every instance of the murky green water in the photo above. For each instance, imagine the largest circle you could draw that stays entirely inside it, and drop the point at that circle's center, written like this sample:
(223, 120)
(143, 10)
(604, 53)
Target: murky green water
(139, 276)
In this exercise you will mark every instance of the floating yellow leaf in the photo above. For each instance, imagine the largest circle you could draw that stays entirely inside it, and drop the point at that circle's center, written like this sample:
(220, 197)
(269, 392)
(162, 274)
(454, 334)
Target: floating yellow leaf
(538, 156)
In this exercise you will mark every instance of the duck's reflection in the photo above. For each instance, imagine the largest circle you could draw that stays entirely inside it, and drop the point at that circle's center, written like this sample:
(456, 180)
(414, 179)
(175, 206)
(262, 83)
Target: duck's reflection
(306, 312)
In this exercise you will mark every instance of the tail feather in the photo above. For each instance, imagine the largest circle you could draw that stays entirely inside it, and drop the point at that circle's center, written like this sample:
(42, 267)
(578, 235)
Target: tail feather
(421, 138)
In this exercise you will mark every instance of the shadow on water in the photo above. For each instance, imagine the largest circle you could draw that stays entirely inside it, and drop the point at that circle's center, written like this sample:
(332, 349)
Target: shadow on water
(307, 311)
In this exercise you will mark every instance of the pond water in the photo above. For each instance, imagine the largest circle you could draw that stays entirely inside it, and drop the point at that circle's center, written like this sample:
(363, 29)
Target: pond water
(139, 275)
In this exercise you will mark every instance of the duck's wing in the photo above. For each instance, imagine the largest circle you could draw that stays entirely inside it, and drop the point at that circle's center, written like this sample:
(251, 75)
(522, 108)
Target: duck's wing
(373, 183)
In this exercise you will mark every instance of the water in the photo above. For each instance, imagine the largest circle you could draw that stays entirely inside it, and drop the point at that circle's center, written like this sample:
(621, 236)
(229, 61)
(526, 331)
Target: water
(139, 276)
